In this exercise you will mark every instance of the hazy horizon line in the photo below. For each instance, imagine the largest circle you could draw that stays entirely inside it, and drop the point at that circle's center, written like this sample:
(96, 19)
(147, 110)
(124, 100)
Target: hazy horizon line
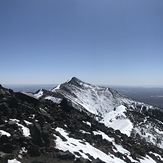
(105, 85)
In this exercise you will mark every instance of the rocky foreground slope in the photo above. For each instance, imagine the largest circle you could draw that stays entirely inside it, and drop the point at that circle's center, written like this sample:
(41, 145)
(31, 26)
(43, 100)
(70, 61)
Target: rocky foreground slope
(54, 128)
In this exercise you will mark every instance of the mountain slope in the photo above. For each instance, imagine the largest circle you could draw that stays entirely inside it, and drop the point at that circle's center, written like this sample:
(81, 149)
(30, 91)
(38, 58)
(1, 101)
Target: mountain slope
(96, 100)
(40, 131)
(113, 109)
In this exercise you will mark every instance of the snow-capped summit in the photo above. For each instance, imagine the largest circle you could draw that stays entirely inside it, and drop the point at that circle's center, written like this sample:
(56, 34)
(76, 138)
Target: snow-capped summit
(101, 102)
(111, 108)
(94, 99)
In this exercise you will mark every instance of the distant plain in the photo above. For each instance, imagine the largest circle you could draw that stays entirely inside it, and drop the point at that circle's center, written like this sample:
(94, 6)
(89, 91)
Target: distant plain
(151, 95)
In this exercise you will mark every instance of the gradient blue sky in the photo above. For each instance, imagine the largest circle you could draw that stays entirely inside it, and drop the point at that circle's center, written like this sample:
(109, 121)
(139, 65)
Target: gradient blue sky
(117, 42)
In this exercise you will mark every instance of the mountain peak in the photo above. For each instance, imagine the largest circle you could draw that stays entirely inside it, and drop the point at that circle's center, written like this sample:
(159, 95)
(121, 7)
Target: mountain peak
(74, 79)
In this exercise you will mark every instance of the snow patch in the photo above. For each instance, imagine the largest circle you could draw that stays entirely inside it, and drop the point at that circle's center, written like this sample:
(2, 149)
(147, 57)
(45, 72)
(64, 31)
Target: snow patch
(21, 152)
(104, 136)
(27, 122)
(2, 132)
(57, 87)
(39, 94)
(150, 133)
(84, 132)
(13, 161)
(26, 131)
(54, 99)
(83, 148)
(88, 123)
(15, 120)
(147, 159)
(118, 120)
(157, 155)
(118, 148)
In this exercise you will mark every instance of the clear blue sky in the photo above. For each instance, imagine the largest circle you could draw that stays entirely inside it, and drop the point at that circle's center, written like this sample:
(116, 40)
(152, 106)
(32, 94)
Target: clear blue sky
(117, 42)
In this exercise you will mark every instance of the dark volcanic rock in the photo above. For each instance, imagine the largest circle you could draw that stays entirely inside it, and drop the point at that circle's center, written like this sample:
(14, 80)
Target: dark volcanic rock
(65, 156)
(34, 150)
(82, 160)
(7, 148)
(97, 161)
(36, 134)
(4, 109)
(4, 139)
(27, 98)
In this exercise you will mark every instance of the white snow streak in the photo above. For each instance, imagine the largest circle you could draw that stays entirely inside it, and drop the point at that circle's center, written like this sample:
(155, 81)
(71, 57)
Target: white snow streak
(13, 161)
(54, 99)
(39, 94)
(83, 148)
(147, 159)
(2, 132)
(26, 131)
